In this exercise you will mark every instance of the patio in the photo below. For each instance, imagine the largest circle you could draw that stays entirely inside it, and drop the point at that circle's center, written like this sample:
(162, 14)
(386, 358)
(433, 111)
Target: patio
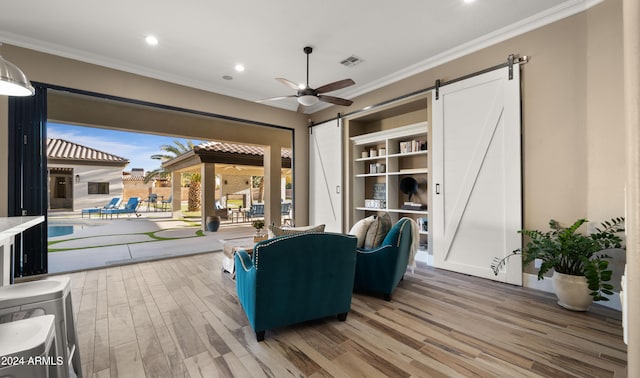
(96, 242)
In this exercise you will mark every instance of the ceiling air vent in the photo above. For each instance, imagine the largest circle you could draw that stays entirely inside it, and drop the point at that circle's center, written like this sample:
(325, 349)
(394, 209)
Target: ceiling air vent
(351, 61)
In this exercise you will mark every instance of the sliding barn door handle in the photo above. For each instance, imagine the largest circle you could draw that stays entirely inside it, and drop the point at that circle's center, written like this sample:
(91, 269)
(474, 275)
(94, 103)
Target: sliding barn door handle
(437, 188)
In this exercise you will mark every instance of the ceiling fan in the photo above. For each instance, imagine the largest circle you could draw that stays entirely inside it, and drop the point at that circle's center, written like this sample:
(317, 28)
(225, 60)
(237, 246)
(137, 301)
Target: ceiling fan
(308, 96)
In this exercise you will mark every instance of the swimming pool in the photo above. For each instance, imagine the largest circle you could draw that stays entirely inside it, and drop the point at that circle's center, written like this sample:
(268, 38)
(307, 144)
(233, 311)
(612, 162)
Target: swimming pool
(63, 229)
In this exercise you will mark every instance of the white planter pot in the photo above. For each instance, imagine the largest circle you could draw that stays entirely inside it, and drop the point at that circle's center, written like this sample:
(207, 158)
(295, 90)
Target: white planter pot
(572, 291)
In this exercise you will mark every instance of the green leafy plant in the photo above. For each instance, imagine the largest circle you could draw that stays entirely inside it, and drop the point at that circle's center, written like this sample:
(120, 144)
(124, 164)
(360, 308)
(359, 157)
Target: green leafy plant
(569, 252)
(258, 224)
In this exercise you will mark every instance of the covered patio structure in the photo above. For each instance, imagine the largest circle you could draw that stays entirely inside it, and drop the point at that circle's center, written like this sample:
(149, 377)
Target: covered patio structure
(234, 163)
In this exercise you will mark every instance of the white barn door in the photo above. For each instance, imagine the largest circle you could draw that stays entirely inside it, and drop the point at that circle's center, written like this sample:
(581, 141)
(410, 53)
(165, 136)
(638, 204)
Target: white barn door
(476, 185)
(325, 175)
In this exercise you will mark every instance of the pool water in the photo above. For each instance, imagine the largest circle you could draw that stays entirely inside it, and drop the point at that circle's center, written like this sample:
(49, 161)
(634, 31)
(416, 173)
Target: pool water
(60, 230)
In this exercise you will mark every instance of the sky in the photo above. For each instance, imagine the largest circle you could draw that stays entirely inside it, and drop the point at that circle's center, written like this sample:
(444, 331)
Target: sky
(135, 147)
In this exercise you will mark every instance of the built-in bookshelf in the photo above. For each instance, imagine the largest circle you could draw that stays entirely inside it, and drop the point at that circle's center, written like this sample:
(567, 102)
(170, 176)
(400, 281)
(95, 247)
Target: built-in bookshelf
(382, 160)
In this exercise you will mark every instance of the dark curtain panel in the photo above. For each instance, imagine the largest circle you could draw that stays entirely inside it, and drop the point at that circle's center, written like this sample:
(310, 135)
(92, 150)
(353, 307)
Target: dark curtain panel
(28, 177)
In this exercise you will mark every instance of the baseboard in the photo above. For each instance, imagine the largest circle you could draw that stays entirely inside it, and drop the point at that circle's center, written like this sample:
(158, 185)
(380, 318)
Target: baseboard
(531, 281)
(424, 256)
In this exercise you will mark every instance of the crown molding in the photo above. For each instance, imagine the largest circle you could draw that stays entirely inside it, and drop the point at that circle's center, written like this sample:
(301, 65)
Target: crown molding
(549, 16)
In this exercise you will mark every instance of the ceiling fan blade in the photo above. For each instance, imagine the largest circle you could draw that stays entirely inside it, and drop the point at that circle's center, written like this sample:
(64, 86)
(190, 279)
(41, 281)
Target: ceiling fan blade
(288, 83)
(335, 86)
(275, 98)
(335, 100)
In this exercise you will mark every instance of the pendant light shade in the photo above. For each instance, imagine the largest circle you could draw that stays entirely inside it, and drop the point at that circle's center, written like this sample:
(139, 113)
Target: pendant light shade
(13, 81)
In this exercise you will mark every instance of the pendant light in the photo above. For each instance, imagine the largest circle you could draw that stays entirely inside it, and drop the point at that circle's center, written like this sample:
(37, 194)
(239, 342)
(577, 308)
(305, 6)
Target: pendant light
(13, 81)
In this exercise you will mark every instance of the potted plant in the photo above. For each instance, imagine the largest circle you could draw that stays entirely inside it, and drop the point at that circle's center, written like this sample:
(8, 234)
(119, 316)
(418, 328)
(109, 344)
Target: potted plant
(581, 269)
(258, 224)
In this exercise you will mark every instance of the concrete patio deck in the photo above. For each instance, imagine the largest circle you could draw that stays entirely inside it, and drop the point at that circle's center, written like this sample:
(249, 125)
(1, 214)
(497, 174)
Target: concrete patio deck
(105, 242)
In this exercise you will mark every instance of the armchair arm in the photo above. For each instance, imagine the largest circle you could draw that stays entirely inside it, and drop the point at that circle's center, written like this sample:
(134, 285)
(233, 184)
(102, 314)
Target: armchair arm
(246, 283)
(376, 269)
(244, 260)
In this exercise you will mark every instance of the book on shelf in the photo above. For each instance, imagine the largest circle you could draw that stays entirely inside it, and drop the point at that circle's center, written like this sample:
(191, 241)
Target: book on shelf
(413, 146)
(412, 170)
(379, 191)
(413, 206)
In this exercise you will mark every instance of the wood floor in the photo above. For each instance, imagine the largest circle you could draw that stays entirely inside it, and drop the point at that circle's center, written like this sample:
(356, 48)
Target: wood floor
(181, 318)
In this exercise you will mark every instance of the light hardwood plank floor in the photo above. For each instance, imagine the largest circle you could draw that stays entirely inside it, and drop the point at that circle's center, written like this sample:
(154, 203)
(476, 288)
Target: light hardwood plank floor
(181, 318)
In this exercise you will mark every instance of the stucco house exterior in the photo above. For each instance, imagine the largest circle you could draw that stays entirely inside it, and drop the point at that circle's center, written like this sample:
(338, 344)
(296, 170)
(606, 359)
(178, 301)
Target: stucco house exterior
(82, 177)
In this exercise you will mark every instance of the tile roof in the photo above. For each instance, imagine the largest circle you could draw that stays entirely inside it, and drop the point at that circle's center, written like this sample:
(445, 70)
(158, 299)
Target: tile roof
(236, 148)
(65, 150)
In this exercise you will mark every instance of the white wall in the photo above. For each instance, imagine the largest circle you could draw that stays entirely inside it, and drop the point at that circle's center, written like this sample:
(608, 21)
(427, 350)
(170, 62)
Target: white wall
(93, 173)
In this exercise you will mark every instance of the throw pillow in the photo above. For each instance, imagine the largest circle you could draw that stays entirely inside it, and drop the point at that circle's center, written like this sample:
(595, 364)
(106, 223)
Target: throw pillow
(359, 230)
(281, 231)
(377, 231)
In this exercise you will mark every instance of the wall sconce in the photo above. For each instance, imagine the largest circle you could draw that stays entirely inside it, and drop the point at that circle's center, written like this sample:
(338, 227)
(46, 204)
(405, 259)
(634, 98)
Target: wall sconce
(77, 178)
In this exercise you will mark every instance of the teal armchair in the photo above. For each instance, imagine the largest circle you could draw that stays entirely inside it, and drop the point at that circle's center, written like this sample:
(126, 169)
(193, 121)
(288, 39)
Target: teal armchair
(379, 270)
(292, 279)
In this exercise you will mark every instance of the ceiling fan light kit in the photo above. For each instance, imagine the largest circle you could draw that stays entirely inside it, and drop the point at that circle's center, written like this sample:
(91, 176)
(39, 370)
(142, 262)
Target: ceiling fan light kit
(308, 96)
(308, 100)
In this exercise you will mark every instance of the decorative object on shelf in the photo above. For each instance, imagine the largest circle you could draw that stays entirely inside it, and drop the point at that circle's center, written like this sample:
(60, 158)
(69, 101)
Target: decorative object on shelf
(577, 255)
(373, 152)
(379, 191)
(382, 152)
(375, 204)
(409, 185)
(364, 154)
(423, 224)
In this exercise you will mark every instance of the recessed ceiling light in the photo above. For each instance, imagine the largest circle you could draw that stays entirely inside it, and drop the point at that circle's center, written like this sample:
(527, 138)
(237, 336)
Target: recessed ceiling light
(151, 40)
(239, 67)
(469, 1)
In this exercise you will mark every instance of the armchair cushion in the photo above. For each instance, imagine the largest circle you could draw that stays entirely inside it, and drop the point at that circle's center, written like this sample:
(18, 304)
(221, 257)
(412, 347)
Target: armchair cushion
(359, 230)
(377, 231)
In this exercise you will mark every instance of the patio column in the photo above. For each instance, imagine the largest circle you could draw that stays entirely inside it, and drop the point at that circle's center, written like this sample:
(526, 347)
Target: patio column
(207, 192)
(272, 173)
(176, 192)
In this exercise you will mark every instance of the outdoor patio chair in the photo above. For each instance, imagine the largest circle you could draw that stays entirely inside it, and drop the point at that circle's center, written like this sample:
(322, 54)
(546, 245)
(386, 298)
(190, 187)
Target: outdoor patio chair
(131, 207)
(256, 211)
(166, 202)
(285, 209)
(113, 204)
(152, 200)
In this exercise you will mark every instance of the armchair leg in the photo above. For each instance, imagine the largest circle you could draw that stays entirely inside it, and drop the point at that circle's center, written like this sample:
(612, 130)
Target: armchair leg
(387, 297)
(260, 336)
(342, 316)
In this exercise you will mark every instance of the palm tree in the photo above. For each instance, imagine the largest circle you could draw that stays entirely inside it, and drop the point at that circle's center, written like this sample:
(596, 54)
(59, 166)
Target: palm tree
(172, 151)
(193, 203)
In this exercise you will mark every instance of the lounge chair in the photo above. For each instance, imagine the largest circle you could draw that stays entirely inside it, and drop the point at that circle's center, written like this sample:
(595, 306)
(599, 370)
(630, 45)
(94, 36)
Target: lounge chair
(113, 204)
(131, 207)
